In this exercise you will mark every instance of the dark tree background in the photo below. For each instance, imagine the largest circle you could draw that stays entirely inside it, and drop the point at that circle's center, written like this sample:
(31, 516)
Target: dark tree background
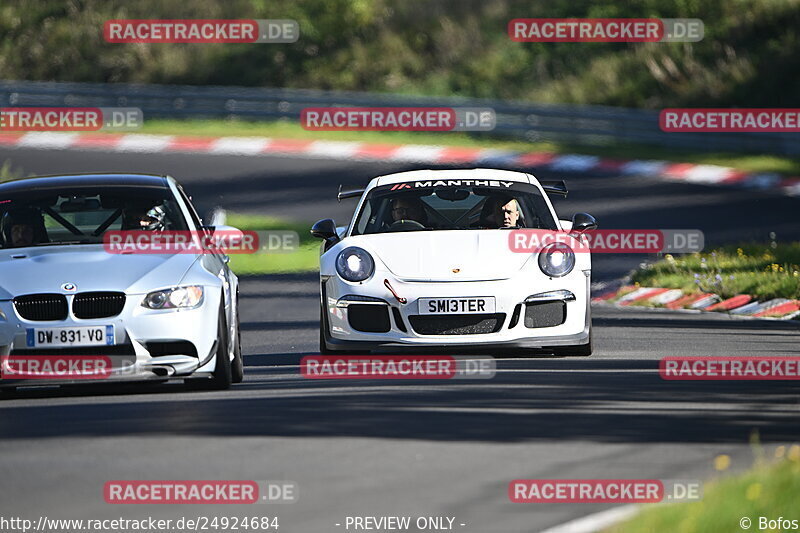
(749, 57)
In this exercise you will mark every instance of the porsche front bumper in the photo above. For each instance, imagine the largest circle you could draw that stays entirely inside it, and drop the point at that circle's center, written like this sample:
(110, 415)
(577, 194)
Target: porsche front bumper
(506, 328)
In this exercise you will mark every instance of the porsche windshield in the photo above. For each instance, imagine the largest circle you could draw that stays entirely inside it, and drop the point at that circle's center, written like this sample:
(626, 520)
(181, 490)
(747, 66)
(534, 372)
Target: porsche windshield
(399, 207)
(83, 215)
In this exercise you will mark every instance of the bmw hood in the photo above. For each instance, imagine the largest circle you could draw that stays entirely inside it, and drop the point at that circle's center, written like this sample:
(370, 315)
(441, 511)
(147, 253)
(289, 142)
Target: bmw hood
(460, 255)
(89, 268)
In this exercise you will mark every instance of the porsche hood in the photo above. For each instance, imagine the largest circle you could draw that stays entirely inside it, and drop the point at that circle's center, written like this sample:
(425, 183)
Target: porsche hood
(460, 255)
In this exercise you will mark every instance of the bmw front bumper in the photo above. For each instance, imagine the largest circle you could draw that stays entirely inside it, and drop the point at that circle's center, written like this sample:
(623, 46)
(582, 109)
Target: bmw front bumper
(147, 344)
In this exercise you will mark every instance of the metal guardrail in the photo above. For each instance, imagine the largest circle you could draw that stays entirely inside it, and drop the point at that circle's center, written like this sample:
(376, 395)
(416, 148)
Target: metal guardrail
(595, 125)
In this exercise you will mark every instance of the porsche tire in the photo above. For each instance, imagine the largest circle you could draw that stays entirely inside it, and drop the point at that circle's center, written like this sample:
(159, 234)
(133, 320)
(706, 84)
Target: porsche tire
(8, 392)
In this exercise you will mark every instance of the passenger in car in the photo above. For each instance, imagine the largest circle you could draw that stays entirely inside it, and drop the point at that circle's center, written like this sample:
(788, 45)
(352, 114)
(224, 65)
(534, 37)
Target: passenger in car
(143, 218)
(500, 212)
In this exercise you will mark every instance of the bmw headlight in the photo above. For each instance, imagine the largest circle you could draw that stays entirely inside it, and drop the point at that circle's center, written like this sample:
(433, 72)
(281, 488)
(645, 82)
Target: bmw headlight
(557, 260)
(354, 264)
(187, 297)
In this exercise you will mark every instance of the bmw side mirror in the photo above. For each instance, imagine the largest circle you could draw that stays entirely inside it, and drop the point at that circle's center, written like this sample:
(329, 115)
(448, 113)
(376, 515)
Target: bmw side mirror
(582, 222)
(325, 229)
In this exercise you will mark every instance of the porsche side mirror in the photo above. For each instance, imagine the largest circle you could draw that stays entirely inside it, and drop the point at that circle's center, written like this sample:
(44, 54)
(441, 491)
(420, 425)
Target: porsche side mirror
(582, 222)
(325, 229)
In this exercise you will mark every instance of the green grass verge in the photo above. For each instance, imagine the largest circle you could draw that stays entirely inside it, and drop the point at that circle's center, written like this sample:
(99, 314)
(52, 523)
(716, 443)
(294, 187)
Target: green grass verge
(762, 271)
(8, 172)
(305, 259)
(768, 490)
(291, 130)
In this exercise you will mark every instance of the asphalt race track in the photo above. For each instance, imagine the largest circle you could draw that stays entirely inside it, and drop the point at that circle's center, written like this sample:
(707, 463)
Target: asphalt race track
(369, 448)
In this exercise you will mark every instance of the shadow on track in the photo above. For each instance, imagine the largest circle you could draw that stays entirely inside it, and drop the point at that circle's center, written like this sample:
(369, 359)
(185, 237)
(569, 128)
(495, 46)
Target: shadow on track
(597, 399)
(530, 400)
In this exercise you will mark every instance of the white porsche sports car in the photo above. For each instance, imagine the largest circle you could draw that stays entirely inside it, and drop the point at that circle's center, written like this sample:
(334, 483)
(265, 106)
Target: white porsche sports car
(153, 316)
(426, 262)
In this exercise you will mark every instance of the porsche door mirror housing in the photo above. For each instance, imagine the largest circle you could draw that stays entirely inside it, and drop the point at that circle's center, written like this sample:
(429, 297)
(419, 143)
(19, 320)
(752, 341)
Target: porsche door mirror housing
(582, 222)
(325, 229)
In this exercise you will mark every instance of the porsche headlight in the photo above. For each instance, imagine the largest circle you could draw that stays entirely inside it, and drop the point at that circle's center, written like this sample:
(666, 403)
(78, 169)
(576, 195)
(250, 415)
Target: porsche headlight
(354, 264)
(187, 297)
(557, 260)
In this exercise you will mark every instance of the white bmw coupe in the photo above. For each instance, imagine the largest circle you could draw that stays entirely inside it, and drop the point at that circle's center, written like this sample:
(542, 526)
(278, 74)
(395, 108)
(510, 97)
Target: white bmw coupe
(66, 301)
(426, 262)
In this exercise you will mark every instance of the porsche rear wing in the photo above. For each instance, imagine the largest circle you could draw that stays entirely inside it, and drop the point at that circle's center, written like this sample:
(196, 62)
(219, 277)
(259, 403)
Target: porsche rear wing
(555, 187)
(350, 193)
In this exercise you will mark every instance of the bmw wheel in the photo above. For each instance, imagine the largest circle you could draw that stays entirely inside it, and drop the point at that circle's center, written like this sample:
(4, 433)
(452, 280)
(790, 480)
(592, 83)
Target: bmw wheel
(221, 376)
(237, 366)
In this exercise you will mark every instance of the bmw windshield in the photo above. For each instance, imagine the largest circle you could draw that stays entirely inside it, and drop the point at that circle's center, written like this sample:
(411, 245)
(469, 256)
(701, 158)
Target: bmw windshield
(453, 205)
(80, 215)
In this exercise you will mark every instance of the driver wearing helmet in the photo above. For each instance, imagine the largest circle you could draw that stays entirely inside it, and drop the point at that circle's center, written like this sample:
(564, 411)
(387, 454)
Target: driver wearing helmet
(22, 227)
(143, 219)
